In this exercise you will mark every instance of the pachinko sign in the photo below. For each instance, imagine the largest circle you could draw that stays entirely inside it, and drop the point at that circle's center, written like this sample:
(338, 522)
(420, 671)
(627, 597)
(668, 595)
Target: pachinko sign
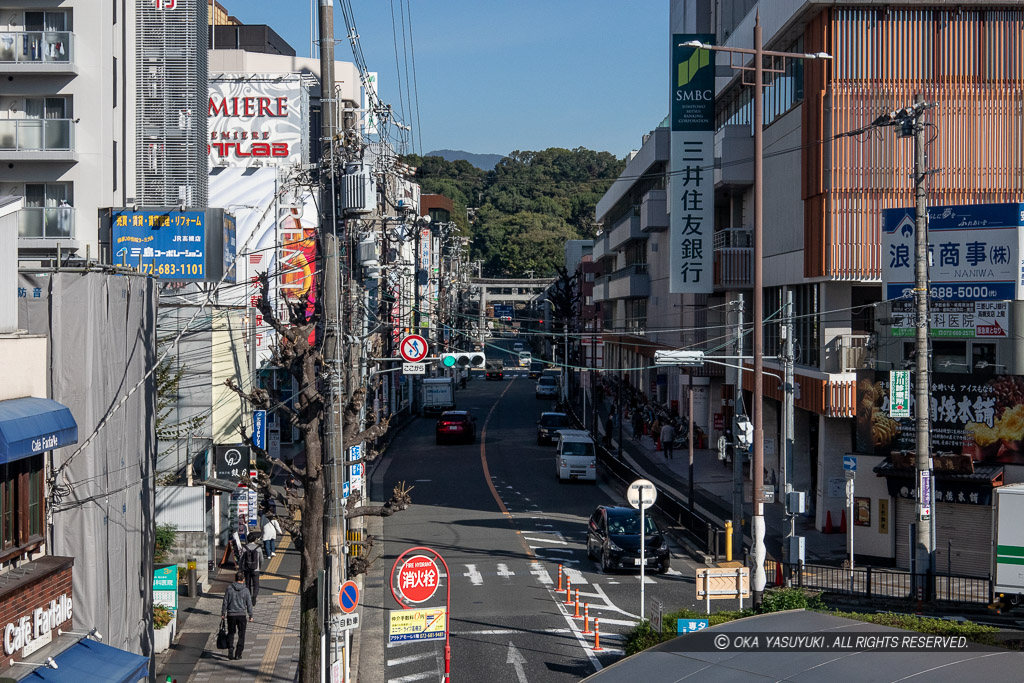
(257, 120)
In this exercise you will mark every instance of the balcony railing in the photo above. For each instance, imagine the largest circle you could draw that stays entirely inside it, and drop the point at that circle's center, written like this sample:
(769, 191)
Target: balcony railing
(734, 237)
(630, 282)
(628, 228)
(37, 135)
(36, 47)
(46, 223)
(734, 267)
(653, 211)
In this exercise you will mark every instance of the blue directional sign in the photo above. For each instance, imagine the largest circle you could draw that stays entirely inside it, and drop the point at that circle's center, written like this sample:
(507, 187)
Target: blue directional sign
(850, 463)
(259, 429)
(344, 489)
(357, 469)
(690, 625)
(353, 452)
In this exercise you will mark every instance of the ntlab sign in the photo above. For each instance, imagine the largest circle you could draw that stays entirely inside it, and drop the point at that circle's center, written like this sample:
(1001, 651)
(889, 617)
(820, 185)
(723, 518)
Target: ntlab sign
(257, 120)
(974, 252)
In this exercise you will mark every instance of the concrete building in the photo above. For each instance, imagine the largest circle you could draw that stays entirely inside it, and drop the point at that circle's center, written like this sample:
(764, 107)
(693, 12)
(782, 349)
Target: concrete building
(67, 119)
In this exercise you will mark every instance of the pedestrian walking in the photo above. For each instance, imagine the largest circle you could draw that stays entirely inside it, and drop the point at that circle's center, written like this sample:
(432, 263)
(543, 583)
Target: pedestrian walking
(237, 609)
(609, 425)
(252, 563)
(668, 435)
(638, 425)
(271, 531)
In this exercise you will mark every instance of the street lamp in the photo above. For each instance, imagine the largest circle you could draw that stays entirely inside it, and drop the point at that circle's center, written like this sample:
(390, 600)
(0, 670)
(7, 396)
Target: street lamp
(757, 465)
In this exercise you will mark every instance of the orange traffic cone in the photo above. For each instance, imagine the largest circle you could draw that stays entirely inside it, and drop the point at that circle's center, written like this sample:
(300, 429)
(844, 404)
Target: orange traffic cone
(842, 522)
(828, 522)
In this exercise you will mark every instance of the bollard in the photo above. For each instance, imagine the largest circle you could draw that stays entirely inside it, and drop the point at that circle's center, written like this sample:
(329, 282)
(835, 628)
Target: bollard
(559, 578)
(597, 635)
(577, 615)
(728, 540)
(586, 618)
(193, 578)
(568, 589)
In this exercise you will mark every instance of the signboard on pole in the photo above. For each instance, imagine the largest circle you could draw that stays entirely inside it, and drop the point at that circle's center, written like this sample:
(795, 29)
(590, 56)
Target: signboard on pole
(413, 348)
(231, 462)
(418, 579)
(165, 586)
(417, 624)
(958, 319)
(924, 490)
(348, 597)
(259, 429)
(691, 181)
(414, 369)
(650, 494)
(899, 393)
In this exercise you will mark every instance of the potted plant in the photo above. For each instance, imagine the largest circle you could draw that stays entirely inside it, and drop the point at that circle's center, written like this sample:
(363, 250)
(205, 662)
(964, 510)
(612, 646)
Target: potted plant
(163, 627)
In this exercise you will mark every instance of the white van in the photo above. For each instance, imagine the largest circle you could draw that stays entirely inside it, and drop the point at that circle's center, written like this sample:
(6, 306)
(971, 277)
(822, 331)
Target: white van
(575, 456)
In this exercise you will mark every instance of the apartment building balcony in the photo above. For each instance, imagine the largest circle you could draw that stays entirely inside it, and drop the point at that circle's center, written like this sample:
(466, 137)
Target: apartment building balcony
(37, 52)
(653, 211)
(625, 229)
(630, 282)
(42, 230)
(601, 249)
(734, 258)
(601, 289)
(734, 157)
(37, 140)
(849, 353)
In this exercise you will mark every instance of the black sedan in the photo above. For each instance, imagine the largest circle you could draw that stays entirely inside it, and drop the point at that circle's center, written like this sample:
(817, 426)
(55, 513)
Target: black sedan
(613, 537)
(455, 425)
(548, 426)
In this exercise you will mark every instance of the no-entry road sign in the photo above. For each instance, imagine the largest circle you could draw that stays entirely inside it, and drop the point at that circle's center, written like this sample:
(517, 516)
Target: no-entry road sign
(413, 348)
(418, 578)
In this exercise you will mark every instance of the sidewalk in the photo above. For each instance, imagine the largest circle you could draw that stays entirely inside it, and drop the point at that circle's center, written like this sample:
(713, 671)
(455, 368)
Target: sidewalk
(715, 481)
(272, 639)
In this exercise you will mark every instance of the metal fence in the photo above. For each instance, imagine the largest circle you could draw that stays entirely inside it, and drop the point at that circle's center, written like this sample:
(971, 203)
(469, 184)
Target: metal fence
(875, 582)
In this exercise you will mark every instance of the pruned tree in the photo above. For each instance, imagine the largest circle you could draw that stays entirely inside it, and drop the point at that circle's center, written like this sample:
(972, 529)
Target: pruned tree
(303, 516)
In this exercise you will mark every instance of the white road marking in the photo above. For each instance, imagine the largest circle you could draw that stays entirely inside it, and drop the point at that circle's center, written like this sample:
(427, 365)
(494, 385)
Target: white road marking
(410, 658)
(617, 622)
(545, 540)
(413, 677)
(506, 631)
(557, 550)
(576, 576)
(674, 572)
(579, 637)
(537, 569)
(504, 571)
(473, 574)
(609, 605)
(647, 579)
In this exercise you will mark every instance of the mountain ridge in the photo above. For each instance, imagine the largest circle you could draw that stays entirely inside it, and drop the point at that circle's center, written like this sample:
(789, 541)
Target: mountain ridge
(485, 162)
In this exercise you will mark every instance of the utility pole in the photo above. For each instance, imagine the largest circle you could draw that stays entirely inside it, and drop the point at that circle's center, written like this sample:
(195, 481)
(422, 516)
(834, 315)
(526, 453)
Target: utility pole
(925, 541)
(689, 411)
(334, 357)
(788, 427)
(737, 453)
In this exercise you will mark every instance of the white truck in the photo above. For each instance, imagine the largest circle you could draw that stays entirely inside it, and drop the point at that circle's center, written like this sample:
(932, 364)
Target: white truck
(575, 456)
(1008, 545)
(438, 395)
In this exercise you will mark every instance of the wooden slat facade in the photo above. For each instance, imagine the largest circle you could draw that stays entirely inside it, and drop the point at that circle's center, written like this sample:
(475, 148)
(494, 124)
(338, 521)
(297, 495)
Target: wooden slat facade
(831, 398)
(971, 62)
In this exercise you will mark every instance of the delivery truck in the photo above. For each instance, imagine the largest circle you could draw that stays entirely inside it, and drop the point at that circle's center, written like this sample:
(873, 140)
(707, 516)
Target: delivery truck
(438, 395)
(1008, 545)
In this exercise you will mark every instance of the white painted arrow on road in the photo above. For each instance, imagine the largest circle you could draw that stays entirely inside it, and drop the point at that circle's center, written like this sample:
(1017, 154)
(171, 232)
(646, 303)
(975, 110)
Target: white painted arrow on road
(516, 660)
(473, 574)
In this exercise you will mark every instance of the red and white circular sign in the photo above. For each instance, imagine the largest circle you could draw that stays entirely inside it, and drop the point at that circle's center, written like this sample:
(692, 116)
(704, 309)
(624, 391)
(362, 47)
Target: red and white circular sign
(418, 578)
(413, 348)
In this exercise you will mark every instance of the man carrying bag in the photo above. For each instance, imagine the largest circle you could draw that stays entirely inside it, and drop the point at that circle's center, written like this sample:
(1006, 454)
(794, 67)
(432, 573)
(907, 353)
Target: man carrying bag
(236, 609)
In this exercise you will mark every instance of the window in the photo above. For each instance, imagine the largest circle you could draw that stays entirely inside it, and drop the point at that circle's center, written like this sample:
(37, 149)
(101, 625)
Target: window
(22, 502)
(113, 82)
(950, 356)
(983, 357)
(48, 212)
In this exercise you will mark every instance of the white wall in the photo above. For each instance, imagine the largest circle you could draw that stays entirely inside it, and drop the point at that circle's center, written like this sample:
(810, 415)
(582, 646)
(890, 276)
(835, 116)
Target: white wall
(24, 366)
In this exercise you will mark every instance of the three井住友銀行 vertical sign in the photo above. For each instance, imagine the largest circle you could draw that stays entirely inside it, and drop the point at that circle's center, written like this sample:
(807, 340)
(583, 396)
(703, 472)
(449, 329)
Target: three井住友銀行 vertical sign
(691, 178)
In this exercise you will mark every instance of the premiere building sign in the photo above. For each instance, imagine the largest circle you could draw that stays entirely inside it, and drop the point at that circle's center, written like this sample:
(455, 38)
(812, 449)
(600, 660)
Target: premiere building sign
(258, 120)
(691, 183)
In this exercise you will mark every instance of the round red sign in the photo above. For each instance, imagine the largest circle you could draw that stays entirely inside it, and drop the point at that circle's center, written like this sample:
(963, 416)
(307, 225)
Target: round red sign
(418, 578)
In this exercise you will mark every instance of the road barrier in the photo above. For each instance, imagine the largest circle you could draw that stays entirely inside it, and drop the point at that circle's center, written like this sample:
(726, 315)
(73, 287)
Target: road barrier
(586, 618)
(559, 578)
(597, 635)
(568, 593)
(577, 614)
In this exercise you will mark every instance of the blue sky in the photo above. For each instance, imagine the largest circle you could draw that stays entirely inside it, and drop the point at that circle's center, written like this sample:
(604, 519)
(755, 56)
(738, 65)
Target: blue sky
(499, 75)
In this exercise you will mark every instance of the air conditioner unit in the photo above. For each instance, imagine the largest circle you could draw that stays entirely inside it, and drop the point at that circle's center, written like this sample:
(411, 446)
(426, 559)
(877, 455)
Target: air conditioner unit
(358, 195)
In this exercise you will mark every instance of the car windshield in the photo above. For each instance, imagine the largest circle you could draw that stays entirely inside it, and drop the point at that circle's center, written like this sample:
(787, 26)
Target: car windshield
(554, 421)
(577, 448)
(629, 525)
(547, 381)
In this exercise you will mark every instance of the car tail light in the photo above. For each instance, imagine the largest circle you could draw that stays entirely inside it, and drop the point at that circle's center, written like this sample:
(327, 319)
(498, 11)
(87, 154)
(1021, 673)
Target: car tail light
(446, 423)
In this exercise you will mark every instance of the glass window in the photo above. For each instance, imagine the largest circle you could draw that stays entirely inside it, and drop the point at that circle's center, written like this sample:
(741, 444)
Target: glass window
(950, 356)
(21, 490)
(983, 357)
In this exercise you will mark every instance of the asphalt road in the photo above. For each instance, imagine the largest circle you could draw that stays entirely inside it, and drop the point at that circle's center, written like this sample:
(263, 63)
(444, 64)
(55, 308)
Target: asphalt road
(497, 514)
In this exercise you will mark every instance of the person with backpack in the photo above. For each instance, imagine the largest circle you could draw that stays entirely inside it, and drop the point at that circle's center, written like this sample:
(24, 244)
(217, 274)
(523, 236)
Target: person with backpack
(237, 605)
(271, 530)
(251, 563)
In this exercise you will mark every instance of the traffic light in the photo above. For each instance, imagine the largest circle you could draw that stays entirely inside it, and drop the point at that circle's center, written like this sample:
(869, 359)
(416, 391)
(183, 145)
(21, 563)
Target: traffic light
(744, 432)
(463, 359)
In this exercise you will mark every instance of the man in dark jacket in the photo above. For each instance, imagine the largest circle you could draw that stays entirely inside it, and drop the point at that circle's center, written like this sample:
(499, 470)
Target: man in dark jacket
(237, 608)
(251, 564)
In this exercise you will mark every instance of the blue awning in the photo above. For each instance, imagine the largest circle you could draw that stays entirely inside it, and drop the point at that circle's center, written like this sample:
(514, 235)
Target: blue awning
(32, 425)
(88, 661)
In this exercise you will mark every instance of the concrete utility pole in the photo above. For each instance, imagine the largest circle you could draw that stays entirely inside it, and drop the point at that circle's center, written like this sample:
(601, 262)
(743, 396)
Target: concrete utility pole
(788, 426)
(738, 454)
(925, 542)
(334, 357)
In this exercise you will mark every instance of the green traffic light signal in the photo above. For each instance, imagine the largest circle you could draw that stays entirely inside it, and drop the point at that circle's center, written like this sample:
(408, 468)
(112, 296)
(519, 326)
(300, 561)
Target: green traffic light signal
(448, 360)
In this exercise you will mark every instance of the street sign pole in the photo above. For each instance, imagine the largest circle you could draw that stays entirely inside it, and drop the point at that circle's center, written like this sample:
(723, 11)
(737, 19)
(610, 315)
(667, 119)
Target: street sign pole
(635, 496)
(642, 559)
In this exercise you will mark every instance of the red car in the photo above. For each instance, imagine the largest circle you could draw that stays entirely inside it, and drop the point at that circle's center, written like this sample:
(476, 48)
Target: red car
(455, 425)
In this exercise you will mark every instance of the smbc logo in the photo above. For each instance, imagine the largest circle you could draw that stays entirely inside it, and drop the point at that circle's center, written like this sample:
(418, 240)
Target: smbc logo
(687, 71)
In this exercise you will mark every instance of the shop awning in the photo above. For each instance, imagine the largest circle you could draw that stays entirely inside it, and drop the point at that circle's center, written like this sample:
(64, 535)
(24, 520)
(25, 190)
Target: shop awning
(90, 662)
(29, 426)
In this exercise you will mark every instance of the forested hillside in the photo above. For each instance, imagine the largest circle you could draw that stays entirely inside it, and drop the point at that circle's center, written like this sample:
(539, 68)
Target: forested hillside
(526, 208)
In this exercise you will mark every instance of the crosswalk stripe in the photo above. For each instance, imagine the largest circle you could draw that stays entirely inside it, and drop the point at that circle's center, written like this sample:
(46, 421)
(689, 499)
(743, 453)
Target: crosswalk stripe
(545, 540)
(537, 569)
(410, 658)
(576, 576)
(413, 677)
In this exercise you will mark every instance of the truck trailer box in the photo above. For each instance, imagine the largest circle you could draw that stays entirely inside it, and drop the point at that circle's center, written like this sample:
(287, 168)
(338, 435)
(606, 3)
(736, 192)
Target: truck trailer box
(438, 395)
(1008, 543)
